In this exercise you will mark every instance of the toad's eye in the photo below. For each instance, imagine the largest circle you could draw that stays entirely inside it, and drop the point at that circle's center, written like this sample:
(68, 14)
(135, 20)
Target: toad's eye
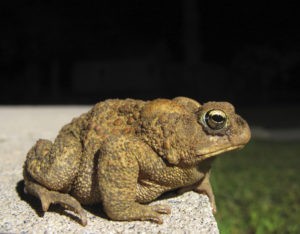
(215, 119)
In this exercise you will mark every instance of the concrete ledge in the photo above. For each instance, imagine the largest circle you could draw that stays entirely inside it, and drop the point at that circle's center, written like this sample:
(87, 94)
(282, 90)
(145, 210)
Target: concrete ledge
(20, 127)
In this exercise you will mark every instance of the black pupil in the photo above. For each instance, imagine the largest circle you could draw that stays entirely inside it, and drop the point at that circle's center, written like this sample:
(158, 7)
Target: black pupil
(218, 118)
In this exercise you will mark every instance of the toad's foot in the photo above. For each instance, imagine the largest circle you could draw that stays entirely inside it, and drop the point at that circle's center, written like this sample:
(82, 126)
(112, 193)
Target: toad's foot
(207, 190)
(137, 211)
(154, 212)
(52, 197)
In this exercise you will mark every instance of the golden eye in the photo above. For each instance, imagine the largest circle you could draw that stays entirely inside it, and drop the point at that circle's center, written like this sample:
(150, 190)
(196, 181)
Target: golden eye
(215, 119)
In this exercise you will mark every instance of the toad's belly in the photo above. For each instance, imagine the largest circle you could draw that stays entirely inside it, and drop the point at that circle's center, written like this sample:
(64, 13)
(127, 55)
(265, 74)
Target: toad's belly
(148, 191)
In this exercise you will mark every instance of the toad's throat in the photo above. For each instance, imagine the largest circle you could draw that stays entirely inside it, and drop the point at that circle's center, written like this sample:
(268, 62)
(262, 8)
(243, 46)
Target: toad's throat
(220, 151)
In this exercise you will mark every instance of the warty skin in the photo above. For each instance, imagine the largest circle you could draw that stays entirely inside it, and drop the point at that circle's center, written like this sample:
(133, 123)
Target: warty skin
(126, 153)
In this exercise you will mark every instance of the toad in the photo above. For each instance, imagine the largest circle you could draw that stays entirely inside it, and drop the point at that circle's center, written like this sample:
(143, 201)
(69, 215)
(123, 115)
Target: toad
(126, 153)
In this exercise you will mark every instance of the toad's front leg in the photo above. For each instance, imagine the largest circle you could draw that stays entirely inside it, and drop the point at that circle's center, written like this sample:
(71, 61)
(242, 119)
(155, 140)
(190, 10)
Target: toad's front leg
(204, 187)
(118, 171)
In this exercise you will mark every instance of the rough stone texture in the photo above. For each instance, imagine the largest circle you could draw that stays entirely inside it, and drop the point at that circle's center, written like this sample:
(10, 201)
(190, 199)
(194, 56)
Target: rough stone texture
(20, 127)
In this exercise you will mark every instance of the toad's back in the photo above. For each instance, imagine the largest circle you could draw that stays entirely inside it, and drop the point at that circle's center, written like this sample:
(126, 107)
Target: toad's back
(110, 117)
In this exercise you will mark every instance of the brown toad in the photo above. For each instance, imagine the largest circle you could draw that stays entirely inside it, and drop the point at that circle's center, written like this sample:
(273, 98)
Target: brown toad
(126, 153)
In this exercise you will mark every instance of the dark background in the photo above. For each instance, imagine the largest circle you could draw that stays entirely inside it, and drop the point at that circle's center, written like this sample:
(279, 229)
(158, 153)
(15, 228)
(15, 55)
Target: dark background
(81, 52)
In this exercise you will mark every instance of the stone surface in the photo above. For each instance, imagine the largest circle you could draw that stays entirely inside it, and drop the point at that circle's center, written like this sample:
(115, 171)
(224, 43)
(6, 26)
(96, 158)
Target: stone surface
(20, 127)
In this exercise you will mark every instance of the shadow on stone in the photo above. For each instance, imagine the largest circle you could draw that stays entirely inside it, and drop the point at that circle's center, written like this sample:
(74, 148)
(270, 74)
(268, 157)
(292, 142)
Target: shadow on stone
(169, 194)
(31, 200)
(97, 210)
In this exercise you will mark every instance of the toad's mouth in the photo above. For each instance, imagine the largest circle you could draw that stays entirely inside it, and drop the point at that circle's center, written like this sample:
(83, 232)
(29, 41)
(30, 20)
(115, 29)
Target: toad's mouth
(220, 151)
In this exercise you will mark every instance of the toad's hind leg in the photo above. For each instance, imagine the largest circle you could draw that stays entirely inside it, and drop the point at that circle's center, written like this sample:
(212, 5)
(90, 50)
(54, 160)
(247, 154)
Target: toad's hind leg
(50, 170)
(48, 197)
(55, 166)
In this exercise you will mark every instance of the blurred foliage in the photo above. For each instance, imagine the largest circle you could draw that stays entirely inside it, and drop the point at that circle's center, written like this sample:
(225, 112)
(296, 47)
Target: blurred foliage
(258, 189)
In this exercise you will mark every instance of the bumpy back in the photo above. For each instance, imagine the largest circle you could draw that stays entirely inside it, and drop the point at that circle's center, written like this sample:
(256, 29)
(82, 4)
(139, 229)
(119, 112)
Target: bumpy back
(112, 117)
